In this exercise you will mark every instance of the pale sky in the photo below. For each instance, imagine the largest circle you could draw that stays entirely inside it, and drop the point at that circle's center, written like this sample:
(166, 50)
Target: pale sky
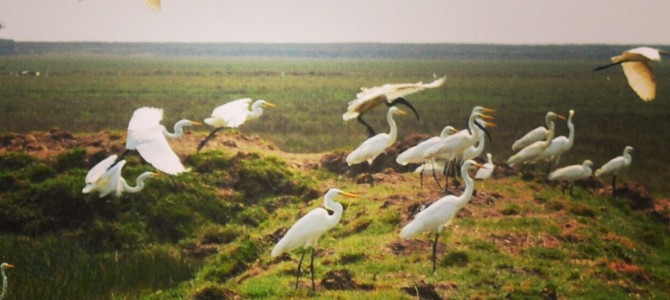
(318, 21)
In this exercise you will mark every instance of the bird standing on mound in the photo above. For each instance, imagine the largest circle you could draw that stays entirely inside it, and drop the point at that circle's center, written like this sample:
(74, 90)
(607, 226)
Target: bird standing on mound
(441, 212)
(559, 145)
(149, 138)
(389, 94)
(571, 174)
(305, 233)
(635, 64)
(233, 114)
(615, 166)
(105, 178)
(531, 153)
(487, 170)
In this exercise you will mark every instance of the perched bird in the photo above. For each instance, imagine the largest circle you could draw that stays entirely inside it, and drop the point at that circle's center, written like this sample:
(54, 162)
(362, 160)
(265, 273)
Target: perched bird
(105, 178)
(486, 171)
(537, 134)
(306, 232)
(615, 166)
(441, 212)
(570, 174)
(5, 284)
(635, 64)
(559, 145)
(531, 153)
(154, 5)
(389, 94)
(149, 138)
(376, 145)
(233, 114)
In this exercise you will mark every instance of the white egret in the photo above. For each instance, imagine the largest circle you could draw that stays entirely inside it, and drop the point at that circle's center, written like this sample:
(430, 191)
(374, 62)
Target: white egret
(530, 153)
(537, 134)
(376, 145)
(559, 145)
(105, 178)
(5, 284)
(154, 5)
(389, 94)
(615, 166)
(572, 173)
(306, 232)
(486, 171)
(635, 64)
(441, 212)
(434, 168)
(233, 114)
(149, 138)
(414, 155)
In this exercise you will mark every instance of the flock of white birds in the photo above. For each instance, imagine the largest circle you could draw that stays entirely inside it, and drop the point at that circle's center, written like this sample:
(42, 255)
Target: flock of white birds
(452, 152)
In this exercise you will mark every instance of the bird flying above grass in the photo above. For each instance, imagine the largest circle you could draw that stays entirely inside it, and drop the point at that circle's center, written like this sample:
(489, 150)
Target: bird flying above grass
(635, 64)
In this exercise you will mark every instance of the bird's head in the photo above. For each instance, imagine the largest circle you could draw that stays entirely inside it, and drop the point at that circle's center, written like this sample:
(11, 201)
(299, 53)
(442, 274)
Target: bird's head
(571, 113)
(448, 130)
(185, 123)
(6, 266)
(628, 149)
(587, 163)
(554, 116)
(267, 104)
(396, 111)
(471, 164)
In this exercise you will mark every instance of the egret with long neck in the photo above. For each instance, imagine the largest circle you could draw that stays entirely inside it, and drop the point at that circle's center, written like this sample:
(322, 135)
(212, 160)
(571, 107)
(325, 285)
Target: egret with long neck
(5, 284)
(232, 115)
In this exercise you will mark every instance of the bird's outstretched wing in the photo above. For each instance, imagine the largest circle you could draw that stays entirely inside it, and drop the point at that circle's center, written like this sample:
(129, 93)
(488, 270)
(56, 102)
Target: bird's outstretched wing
(145, 134)
(233, 113)
(154, 5)
(96, 172)
(641, 79)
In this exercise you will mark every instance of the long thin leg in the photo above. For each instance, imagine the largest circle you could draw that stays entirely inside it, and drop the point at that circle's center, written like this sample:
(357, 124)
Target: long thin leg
(311, 269)
(435, 175)
(209, 137)
(572, 185)
(372, 179)
(118, 159)
(371, 132)
(437, 234)
(614, 185)
(299, 272)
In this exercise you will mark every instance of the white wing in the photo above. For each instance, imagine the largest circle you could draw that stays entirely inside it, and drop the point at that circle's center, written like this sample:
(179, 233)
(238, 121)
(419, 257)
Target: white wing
(304, 232)
(154, 5)
(145, 134)
(485, 172)
(537, 134)
(231, 114)
(641, 79)
(96, 172)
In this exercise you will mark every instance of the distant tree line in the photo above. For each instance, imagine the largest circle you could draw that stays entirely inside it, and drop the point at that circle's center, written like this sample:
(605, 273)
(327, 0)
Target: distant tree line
(7, 47)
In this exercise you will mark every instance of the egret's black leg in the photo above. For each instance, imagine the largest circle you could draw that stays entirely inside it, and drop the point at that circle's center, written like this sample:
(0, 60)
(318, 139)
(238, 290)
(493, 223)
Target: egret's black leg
(299, 272)
(614, 185)
(403, 101)
(371, 132)
(572, 185)
(437, 235)
(565, 186)
(435, 175)
(311, 269)
(209, 137)
(548, 168)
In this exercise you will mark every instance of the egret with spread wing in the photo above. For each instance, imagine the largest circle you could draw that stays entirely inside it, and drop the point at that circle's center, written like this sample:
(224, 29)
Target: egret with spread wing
(388, 94)
(105, 178)
(233, 114)
(635, 64)
(305, 233)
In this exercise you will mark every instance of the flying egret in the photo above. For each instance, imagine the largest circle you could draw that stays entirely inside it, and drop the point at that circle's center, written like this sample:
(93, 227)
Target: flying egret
(616, 165)
(149, 138)
(559, 145)
(635, 64)
(154, 5)
(486, 171)
(571, 174)
(531, 153)
(376, 145)
(233, 114)
(537, 134)
(105, 178)
(389, 94)
(3, 267)
(306, 232)
(441, 212)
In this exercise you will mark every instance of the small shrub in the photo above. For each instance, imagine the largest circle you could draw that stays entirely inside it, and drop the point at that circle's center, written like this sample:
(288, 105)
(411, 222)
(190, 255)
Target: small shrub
(71, 159)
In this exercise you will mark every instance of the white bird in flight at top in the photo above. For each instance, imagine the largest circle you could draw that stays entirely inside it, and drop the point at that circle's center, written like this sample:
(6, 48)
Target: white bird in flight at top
(615, 166)
(389, 94)
(635, 64)
(233, 114)
(105, 178)
(149, 138)
(305, 233)
(441, 212)
(572, 174)
(154, 5)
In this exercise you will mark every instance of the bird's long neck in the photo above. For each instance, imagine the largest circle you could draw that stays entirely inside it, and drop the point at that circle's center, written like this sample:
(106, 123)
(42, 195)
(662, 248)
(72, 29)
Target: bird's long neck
(627, 158)
(337, 212)
(394, 128)
(474, 129)
(4, 284)
(139, 183)
(178, 130)
(571, 127)
(469, 187)
(550, 134)
(256, 111)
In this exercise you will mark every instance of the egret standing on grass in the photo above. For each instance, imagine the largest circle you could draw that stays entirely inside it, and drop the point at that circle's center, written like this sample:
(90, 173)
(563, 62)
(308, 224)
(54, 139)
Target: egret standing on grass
(635, 64)
(441, 212)
(389, 94)
(105, 178)
(559, 145)
(376, 145)
(233, 114)
(570, 174)
(5, 284)
(306, 232)
(486, 171)
(537, 134)
(615, 166)
(149, 138)
(531, 153)
(414, 155)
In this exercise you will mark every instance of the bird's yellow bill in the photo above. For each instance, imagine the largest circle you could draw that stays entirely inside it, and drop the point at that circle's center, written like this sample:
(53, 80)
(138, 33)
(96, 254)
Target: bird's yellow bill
(490, 124)
(488, 110)
(9, 266)
(562, 117)
(349, 195)
(478, 165)
(401, 112)
(487, 117)
(454, 130)
(196, 123)
(270, 105)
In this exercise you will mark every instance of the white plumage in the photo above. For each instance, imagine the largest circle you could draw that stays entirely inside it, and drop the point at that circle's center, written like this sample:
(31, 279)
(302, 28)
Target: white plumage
(487, 170)
(376, 145)
(635, 64)
(560, 145)
(572, 173)
(414, 155)
(452, 146)
(233, 114)
(531, 153)
(106, 179)
(537, 134)
(615, 166)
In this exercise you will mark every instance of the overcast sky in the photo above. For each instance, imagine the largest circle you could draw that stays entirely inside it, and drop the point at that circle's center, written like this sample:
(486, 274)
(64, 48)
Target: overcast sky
(309, 21)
